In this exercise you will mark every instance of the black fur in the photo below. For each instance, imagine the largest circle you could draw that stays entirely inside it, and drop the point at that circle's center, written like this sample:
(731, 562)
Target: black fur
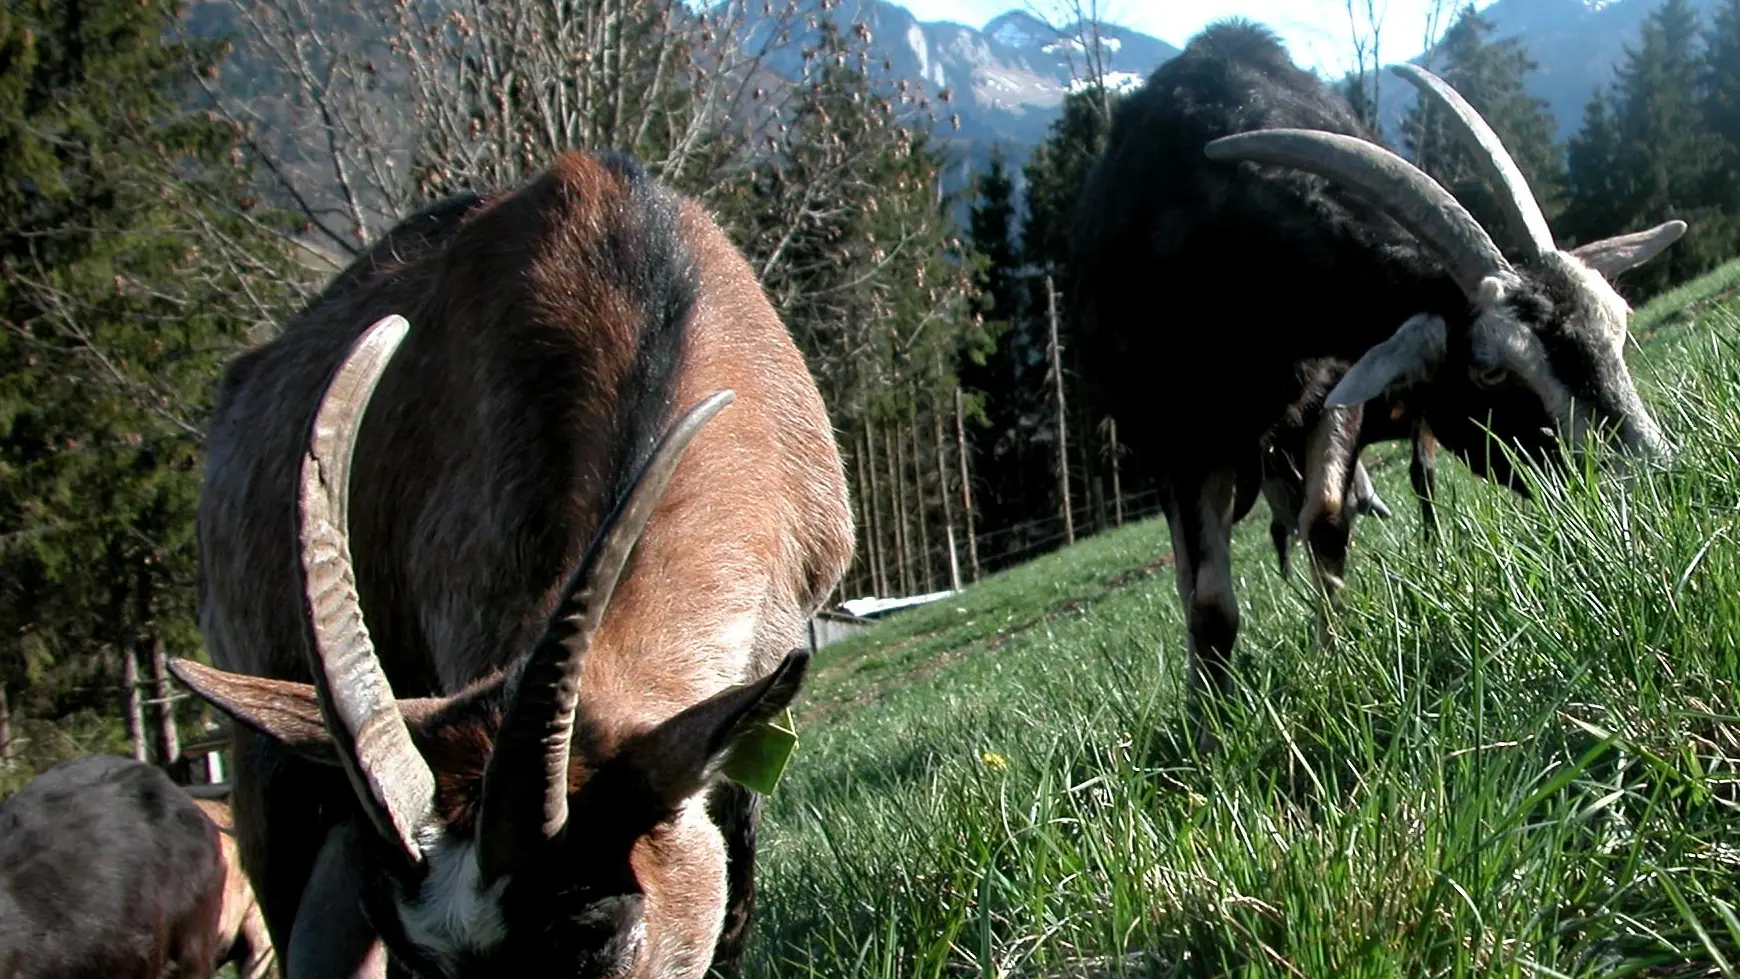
(107, 868)
(647, 257)
(1168, 245)
(737, 812)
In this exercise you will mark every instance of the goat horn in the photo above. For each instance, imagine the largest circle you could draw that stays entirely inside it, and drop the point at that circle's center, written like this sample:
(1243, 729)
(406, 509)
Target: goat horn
(389, 775)
(525, 786)
(1414, 199)
(1494, 161)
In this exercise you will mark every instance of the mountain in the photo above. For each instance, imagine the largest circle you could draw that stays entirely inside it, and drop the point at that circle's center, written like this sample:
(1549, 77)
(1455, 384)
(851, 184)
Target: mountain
(1006, 81)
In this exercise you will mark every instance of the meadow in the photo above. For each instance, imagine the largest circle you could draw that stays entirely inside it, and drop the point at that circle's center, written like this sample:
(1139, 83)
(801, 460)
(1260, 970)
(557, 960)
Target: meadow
(1520, 756)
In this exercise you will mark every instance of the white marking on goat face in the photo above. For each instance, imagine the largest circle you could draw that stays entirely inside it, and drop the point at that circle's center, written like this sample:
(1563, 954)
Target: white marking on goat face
(1501, 341)
(1613, 324)
(739, 632)
(452, 912)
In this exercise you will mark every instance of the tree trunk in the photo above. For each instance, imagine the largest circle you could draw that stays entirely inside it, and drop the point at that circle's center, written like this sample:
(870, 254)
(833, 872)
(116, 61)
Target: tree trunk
(915, 455)
(1062, 416)
(942, 491)
(148, 647)
(967, 514)
(6, 753)
(902, 542)
(954, 559)
(135, 702)
(872, 554)
(164, 694)
(1117, 487)
(883, 588)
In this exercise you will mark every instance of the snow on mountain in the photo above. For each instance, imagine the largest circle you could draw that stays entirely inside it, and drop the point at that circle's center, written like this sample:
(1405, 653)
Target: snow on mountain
(1008, 80)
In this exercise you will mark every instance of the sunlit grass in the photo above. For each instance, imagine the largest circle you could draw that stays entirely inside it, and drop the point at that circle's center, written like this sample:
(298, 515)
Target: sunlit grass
(1519, 757)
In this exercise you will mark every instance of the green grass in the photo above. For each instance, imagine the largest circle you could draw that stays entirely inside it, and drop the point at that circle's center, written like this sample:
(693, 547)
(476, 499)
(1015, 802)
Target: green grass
(1518, 759)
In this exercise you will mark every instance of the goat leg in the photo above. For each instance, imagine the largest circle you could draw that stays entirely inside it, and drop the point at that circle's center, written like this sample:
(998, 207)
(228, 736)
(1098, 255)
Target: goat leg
(332, 939)
(1199, 513)
(1422, 473)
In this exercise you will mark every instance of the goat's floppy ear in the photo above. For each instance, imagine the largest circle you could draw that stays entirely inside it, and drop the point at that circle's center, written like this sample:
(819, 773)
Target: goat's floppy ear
(1611, 256)
(677, 758)
(282, 710)
(1409, 356)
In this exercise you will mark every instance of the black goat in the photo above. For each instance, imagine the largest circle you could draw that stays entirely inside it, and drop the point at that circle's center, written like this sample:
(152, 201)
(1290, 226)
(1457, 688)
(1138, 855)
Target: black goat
(1381, 304)
(107, 868)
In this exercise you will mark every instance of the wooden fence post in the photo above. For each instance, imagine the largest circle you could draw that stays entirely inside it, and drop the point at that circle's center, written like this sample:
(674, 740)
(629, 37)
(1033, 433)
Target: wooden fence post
(1062, 417)
(966, 487)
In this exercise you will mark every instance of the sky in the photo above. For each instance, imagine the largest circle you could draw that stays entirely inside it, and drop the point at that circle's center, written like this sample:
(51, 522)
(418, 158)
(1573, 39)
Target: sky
(1317, 32)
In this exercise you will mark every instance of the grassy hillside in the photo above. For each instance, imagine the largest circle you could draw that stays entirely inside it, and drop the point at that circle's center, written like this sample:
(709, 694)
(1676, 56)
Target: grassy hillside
(1518, 759)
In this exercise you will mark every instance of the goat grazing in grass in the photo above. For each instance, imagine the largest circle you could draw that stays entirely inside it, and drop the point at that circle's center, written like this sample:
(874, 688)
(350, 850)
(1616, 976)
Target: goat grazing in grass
(487, 677)
(1246, 252)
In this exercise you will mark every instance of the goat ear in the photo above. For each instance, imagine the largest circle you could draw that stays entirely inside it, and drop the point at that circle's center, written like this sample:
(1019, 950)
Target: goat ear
(1409, 356)
(1611, 256)
(678, 758)
(284, 711)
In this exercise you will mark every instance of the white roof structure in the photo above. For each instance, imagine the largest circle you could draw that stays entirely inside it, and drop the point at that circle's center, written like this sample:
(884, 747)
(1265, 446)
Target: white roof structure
(870, 607)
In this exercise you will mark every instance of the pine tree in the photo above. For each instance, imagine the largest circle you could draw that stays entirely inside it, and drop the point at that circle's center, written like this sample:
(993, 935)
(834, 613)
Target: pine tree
(1664, 153)
(857, 247)
(132, 262)
(992, 228)
(1491, 76)
(1055, 175)
(1721, 86)
(1015, 440)
(1006, 393)
(1592, 182)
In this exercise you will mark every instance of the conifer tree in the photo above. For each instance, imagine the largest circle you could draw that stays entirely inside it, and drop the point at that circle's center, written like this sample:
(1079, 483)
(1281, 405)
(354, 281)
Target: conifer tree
(1006, 392)
(1056, 173)
(132, 262)
(844, 220)
(992, 228)
(1664, 152)
(1015, 440)
(1491, 76)
(1721, 93)
(1593, 188)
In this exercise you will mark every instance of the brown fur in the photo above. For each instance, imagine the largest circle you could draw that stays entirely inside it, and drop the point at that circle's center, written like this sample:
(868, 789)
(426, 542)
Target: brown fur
(492, 447)
(241, 936)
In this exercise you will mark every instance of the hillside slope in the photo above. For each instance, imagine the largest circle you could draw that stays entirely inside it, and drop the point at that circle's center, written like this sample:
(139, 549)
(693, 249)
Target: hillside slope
(1520, 758)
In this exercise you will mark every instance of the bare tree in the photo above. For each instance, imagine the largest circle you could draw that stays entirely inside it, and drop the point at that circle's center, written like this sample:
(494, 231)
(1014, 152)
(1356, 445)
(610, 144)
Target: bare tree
(426, 98)
(1434, 27)
(1365, 30)
(1080, 31)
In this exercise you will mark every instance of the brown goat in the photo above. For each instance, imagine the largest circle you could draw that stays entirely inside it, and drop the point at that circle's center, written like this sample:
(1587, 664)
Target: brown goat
(242, 937)
(578, 631)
